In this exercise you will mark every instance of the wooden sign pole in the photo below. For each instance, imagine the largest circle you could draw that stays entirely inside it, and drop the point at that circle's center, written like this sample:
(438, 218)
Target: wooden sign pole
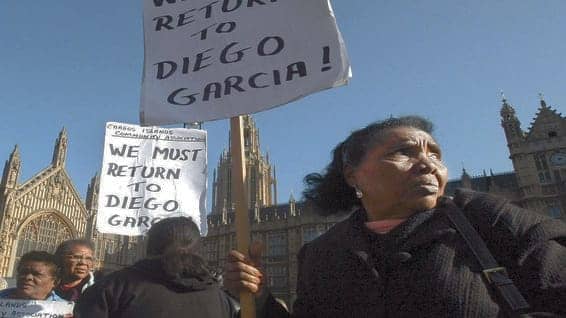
(241, 203)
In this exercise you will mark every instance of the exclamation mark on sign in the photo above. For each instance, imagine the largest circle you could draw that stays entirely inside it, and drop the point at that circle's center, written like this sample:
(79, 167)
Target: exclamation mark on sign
(326, 59)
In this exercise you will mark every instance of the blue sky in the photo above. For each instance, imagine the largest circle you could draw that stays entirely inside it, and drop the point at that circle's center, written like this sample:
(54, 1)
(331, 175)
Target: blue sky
(78, 64)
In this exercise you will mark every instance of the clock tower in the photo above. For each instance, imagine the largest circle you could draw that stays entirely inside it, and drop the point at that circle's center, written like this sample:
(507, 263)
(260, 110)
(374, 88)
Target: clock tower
(539, 158)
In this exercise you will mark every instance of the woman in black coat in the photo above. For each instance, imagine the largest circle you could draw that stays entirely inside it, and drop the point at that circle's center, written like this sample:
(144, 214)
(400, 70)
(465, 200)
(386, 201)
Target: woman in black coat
(172, 282)
(400, 254)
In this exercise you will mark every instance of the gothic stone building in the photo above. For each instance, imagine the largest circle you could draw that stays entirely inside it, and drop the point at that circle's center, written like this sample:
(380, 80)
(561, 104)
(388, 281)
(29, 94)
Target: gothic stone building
(284, 228)
(45, 210)
(539, 163)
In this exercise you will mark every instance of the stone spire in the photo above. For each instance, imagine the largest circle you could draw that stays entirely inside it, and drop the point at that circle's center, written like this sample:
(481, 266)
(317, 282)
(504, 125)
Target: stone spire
(509, 121)
(292, 205)
(91, 204)
(12, 169)
(274, 185)
(214, 190)
(542, 102)
(92, 193)
(260, 179)
(60, 150)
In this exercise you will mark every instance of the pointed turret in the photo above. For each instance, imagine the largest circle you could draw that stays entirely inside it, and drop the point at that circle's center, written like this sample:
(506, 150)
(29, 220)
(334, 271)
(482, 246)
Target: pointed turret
(214, 185)
(9, 181)
(292, 205)
(256, 216)
(251, 138)
(510, 123)
(92, 194)
(542, 102)
(258, 173)
(224, 212)
(91, 204)
(60, 150)
(12, 169)
(292, 198)
(274, 184)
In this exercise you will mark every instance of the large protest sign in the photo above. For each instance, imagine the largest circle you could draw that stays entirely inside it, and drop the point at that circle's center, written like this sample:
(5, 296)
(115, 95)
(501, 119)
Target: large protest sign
(211, 59)
(13, 308)
(151, 173)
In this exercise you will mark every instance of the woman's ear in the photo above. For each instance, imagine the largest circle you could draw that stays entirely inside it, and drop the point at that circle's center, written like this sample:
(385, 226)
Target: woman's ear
(349, 175)
(56, 281)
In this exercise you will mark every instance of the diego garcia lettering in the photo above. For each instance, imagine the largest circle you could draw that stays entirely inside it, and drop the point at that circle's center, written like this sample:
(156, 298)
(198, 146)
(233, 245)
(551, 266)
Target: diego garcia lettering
(215, 90)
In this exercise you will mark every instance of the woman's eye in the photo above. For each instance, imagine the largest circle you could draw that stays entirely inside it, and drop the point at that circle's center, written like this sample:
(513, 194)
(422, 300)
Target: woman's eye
(401, 152)
(434, 155)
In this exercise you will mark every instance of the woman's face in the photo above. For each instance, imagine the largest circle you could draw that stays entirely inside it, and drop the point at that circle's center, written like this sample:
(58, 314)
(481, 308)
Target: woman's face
(35, 280)
(402, 175)
(77, 263)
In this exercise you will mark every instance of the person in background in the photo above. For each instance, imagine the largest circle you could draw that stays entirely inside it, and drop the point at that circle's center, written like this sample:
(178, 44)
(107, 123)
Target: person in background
(404, 252)
(76, 260)
(173, 281)
(37, 275)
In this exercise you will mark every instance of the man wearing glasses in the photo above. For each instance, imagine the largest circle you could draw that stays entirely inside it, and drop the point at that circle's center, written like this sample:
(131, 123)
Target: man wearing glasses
(76, 260)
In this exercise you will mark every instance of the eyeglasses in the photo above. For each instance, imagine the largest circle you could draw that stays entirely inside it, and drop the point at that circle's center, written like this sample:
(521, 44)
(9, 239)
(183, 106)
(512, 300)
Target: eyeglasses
(78, 258)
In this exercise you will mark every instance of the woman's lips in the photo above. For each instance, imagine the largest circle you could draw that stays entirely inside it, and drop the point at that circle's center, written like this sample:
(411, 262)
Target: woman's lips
(432, 188)
(427, 185)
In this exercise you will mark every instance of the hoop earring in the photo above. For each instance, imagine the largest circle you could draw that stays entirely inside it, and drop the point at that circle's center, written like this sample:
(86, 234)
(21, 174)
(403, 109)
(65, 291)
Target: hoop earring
(359, 193)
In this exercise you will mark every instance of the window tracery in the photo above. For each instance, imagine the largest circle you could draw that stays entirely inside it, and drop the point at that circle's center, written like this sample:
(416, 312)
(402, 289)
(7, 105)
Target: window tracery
(43, 233)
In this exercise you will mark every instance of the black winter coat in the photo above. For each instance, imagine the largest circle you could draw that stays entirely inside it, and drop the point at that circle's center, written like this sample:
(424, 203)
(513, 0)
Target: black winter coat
(144, 290)
(423, 268)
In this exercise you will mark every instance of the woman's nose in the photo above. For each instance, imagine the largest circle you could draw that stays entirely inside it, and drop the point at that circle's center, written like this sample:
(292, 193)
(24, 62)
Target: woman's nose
(426, 164)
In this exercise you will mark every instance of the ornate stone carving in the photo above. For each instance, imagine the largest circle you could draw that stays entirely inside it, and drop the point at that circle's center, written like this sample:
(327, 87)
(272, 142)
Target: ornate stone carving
(44, 232)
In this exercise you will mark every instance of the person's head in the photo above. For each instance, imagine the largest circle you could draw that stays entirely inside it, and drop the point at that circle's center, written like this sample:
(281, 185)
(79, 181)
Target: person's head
(176, 241)
(37, 275)
(394, 165)
(75, 258)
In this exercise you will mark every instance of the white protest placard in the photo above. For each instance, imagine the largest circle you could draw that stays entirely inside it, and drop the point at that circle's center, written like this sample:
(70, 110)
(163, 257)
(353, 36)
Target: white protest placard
(151, 173)
(14, 308)
(212, 59)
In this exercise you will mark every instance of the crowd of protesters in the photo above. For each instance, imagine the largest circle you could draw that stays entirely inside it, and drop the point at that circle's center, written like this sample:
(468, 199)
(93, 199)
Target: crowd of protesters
(405, 251)
(172, 280)
(62, 276)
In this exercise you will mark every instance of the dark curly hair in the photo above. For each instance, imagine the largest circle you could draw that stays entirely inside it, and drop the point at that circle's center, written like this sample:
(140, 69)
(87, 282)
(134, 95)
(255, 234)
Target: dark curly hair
(329, 190)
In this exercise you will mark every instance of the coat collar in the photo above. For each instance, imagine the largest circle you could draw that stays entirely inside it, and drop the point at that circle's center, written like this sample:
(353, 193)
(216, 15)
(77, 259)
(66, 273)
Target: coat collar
(420, 229)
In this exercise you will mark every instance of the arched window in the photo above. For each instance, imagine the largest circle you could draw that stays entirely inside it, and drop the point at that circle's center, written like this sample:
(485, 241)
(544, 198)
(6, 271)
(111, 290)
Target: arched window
(42, 233)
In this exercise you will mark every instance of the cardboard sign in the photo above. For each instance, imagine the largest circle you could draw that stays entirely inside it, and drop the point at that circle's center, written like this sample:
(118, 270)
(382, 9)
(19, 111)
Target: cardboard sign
(13, 308)
(212, 59)
(151, 173)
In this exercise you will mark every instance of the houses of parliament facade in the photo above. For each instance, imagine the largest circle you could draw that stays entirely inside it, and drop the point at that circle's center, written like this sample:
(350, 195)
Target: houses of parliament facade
(47, 209)
(39, 213)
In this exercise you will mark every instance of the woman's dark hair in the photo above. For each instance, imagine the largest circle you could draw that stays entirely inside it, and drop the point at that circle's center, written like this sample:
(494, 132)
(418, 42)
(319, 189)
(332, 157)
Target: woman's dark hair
(176, 241)
(66, 246)
(329, 190)
(43, 257)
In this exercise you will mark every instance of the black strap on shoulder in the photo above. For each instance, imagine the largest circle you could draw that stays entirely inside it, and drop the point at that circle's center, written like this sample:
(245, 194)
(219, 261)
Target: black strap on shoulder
(496, 276)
